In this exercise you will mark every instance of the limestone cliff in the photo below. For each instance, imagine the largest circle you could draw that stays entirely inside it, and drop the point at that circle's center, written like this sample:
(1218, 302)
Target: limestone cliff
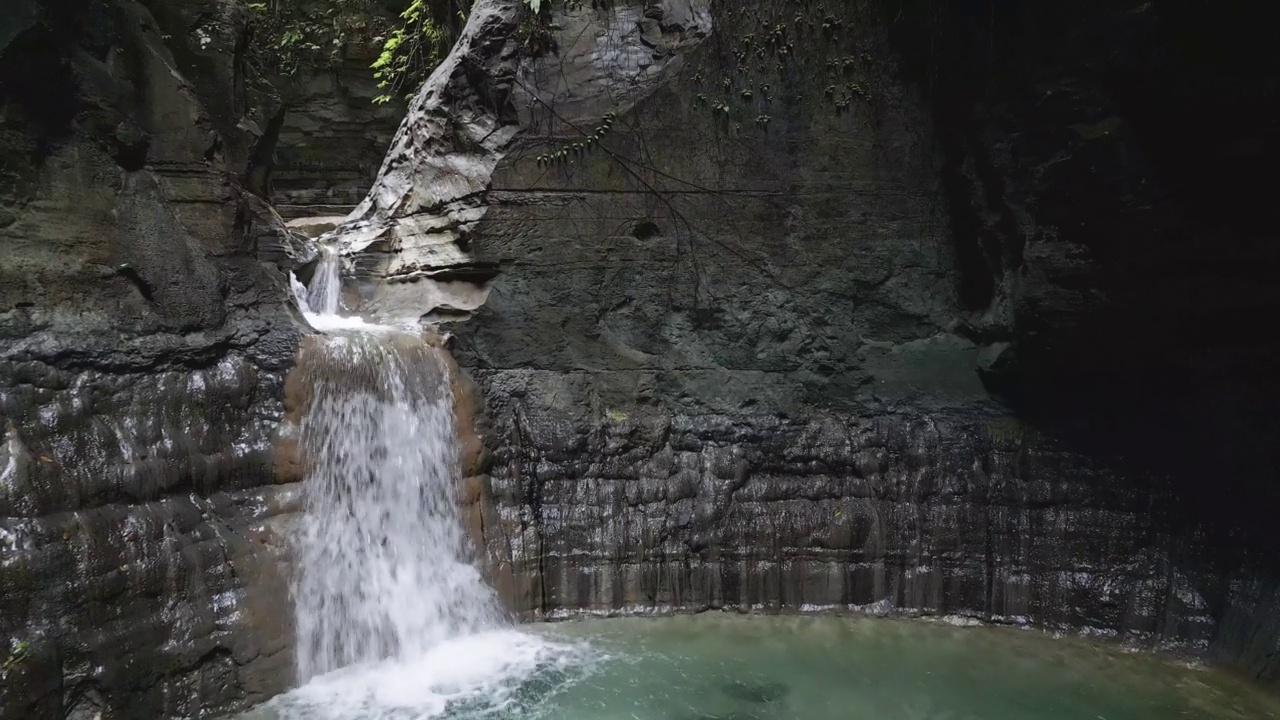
(934, 310)
(331, 139)
(142, 351)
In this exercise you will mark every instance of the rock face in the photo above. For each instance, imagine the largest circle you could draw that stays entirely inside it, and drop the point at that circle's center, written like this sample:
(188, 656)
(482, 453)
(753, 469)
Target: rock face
(1094, 159)
(410, 237)
(142, 353)
(331, 139)
(805, 329)
(928, 311)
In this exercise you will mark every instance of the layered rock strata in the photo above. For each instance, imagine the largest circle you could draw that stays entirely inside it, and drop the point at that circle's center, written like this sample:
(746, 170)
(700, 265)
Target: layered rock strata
(142, 353)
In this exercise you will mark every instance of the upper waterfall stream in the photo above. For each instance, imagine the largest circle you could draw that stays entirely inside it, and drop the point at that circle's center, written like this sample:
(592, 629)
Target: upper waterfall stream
(321, 301)
(323, 294)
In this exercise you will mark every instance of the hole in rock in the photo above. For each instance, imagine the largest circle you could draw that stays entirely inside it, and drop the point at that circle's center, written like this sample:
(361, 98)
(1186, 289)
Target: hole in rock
(645, 230)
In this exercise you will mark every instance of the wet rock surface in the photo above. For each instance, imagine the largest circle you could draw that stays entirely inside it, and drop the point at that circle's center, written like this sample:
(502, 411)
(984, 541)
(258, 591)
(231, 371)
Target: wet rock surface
(332, 137)
(142, 354)
(804, 332)
(409, 240)
(950, 511)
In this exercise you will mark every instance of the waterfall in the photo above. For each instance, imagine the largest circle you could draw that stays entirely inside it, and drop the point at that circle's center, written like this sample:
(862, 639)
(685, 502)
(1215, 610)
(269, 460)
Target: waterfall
(321, 300)
(326, 283)
(385, 571)
(393, 619)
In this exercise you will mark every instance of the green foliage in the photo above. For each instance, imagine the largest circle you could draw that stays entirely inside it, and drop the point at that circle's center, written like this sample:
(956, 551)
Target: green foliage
(789, 50)
(411, 52)
(423, 38)
(295, 35)
(534, 32)
(17, 653)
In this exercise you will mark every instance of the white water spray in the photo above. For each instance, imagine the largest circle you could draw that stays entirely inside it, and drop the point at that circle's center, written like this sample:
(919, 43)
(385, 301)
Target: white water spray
(326, 283)
(385, 571)
(393, 619)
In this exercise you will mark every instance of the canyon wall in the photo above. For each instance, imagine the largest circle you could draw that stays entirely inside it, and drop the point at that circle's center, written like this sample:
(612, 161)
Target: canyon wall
(847, 313)
(759, 305)
(142, 356)
(332, 137)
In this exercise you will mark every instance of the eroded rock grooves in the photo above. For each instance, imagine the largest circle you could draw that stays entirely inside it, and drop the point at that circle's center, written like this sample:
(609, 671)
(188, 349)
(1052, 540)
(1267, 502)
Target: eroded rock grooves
(142, 354)
(755, 354)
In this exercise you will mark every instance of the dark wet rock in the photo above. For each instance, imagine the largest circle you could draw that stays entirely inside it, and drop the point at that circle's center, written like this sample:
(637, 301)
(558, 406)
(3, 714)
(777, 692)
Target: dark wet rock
(142, 354)
(816, 333)
(755, 692)
(951, 511)
(332, 137)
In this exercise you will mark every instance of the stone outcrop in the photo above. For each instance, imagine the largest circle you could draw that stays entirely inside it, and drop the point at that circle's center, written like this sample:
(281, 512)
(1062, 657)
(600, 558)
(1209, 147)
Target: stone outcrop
(410, 237)
(142, 352)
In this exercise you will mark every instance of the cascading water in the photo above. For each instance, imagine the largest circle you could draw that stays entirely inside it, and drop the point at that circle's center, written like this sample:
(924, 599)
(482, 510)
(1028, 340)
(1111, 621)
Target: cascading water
(321, 300)
(326, 284)
(393, 619)
(384, 566)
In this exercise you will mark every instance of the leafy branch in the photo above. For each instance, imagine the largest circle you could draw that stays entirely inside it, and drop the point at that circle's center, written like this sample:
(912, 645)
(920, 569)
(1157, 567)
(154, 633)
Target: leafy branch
(412, 51)
(299, 35)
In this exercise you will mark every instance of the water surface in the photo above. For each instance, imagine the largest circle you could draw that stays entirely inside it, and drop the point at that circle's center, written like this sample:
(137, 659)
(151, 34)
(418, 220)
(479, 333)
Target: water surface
(729, 667)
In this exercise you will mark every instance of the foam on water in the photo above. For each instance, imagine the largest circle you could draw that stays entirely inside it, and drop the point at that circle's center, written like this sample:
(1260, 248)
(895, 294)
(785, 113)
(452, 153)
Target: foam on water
(335, 322)
(485, 675)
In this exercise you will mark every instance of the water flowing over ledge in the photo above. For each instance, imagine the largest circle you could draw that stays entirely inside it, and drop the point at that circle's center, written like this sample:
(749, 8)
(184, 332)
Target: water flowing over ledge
(393, 617)
(384, 566)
